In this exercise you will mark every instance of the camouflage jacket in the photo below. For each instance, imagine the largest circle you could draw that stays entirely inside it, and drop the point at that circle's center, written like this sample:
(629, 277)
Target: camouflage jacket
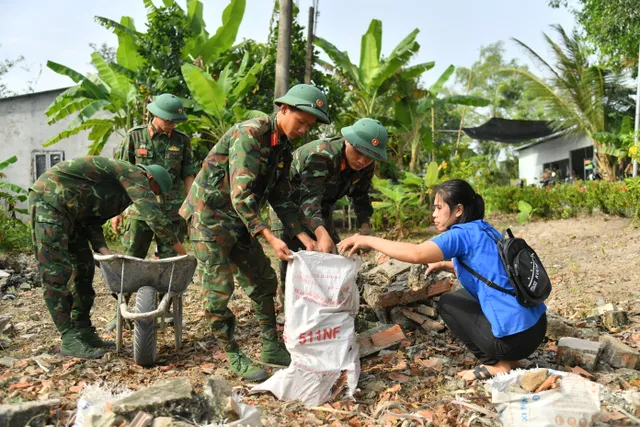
(243, 171)
(90, 190)
(144, 145)
(320, 176)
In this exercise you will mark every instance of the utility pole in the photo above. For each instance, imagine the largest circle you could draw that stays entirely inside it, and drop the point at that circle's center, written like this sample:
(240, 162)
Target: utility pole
(283, 56)
(310, 31)
(637, 125)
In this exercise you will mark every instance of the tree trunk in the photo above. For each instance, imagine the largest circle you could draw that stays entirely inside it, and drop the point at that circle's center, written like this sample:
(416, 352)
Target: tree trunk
(283, 55)
(606, 168)
(415, 153)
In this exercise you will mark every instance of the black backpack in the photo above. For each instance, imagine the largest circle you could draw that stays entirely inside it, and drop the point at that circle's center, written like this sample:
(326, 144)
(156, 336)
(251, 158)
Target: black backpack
(525, 270)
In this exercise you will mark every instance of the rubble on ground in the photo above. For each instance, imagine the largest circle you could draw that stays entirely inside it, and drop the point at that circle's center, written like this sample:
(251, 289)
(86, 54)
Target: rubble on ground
(409, 379)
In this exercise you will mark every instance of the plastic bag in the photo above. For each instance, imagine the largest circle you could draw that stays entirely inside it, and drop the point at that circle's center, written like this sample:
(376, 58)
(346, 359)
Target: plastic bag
(321, 302)
(576, 401)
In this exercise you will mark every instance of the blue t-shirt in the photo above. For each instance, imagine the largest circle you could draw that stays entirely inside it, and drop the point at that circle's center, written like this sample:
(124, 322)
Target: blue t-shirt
(471, 244)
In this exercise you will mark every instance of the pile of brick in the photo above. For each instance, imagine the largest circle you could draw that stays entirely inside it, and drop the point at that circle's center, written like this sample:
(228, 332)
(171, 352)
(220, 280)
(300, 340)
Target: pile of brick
(403, 298)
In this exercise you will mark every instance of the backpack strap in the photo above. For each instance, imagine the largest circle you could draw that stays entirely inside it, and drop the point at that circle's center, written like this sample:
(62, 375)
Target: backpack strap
(486, 281)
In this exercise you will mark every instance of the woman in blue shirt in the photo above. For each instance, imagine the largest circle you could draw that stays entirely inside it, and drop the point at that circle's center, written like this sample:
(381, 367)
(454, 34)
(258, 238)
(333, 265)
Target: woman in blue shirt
(492, 324)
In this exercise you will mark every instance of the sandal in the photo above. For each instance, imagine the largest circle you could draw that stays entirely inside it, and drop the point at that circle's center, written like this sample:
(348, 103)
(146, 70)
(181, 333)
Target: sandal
(481, 373)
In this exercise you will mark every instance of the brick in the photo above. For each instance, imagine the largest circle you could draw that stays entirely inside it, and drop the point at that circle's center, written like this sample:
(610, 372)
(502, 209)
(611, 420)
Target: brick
(432, 324)
(388, 337)
(439, 288)
(426, 310)
(418, 318)
(575, 351)
(399, 293)
(618, 354)
(379, 338)
(142, 419)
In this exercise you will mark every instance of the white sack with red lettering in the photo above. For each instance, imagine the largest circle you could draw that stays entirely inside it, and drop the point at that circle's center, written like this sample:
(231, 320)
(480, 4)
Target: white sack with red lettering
(321, 302)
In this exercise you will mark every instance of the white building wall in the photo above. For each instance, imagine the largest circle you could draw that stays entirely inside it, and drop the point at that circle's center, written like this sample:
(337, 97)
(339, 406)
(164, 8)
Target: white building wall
(531, 159)
(24, 129)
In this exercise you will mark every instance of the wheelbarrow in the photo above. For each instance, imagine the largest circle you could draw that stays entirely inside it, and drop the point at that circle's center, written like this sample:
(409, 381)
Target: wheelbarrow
(147, 278)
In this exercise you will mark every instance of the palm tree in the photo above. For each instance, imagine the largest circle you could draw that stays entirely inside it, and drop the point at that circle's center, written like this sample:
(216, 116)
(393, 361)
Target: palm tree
(574, 94)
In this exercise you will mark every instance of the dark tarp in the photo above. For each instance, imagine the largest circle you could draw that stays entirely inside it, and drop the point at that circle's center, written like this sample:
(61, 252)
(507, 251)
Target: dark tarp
(510, 131)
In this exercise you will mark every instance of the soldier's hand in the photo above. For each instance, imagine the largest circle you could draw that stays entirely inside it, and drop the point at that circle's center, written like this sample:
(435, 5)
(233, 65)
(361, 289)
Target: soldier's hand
(281, 249)
(324, 242)
(179, 248)
(308, 242)
(326, 245)
(116, 223)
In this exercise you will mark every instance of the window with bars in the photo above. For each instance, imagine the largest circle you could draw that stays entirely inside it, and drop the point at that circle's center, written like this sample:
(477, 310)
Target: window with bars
(43, 160)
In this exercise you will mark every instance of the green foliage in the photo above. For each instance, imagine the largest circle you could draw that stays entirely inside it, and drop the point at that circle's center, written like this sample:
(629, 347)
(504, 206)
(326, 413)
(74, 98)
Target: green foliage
(161, 49)
(506, 92)
(262, 95)
(612, 26)
(395, 208)
(525, 210)
(146, 64)
(15, 235)
(372, 79)
(578, 96)
(218, 102)
(405, 204)
(11, 194)
(620, 198)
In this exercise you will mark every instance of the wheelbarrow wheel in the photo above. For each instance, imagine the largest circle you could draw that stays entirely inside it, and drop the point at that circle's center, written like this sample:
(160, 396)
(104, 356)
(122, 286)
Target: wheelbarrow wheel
(144, 332)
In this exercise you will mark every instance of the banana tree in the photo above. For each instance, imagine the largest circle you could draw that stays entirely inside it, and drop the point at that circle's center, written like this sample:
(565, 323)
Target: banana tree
(199, 45)
(11, 194)
(396, 202)
(109, 91)
(218, 101)
(372, 78)
(119, 92)
(414, 108)
(422, 186)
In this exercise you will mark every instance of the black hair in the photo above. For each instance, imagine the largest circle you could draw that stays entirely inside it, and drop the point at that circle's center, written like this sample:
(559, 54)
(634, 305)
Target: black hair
(456, 192)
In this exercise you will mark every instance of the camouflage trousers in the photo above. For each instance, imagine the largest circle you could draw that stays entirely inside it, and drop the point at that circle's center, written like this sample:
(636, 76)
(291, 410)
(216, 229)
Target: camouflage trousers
(137, 236)
(65, 265)
(219, 261)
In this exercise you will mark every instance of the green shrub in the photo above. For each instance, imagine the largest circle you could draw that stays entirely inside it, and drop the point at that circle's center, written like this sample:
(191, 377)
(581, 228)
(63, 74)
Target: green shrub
(620, 198)
(15, 235)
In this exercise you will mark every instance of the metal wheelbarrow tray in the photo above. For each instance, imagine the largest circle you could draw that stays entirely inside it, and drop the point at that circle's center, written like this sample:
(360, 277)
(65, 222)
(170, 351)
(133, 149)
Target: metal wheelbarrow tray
(147, 278)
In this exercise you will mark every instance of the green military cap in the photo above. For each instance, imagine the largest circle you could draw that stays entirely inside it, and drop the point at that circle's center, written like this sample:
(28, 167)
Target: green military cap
(160, 175)
(168, 107)
(369, 137)
(307, 98)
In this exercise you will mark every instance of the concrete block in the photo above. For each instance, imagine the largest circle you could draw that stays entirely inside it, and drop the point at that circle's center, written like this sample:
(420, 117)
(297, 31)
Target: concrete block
(21, 414)
(575, 351)
(614, 319)
(618, 354)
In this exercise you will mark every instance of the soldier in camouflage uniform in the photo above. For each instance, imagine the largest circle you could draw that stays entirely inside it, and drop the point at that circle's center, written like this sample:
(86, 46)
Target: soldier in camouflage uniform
(68, 205)
(323, 172)
(157, 143)
(246, 169)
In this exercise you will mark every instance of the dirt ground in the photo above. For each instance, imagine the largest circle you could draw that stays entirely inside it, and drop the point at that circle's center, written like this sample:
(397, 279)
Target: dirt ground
(591, 260)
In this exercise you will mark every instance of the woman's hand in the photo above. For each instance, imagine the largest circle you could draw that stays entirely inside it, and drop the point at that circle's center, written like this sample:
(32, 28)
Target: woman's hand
(353, 243)
(436, 267)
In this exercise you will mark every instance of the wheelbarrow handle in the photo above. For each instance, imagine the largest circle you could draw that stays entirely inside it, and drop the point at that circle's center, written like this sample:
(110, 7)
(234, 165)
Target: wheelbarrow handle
(151, 314)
